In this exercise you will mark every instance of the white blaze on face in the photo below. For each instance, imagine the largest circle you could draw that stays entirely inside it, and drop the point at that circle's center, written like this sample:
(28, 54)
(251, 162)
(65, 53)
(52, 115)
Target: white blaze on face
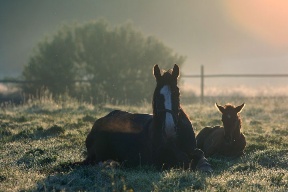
(169, 121)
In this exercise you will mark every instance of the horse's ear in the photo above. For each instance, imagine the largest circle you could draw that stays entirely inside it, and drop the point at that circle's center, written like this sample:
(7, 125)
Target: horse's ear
(176, 72)
(156, 72)
(239, 108)
(219, 107)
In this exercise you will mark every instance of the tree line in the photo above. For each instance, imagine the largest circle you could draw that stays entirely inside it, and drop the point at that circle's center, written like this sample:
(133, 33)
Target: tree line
(98, 60)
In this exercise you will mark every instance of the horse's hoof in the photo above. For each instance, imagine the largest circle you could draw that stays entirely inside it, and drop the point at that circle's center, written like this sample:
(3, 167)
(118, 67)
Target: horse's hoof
(204, 166)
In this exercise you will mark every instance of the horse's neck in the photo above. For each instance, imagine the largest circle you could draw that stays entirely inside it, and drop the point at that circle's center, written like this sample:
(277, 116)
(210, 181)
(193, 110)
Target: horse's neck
(154, 109)
(237, 133)
(239, 125)
(182, 112)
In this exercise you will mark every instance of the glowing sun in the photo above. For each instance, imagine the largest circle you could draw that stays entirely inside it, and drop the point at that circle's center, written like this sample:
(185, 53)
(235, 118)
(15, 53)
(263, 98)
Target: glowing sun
(265, 19)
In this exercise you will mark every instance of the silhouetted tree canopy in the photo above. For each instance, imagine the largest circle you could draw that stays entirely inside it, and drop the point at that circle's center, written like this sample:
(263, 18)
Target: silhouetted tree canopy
(110, 62)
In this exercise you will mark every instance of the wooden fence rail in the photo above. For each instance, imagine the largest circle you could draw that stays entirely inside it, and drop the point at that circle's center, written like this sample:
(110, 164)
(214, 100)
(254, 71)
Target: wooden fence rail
(202, 77)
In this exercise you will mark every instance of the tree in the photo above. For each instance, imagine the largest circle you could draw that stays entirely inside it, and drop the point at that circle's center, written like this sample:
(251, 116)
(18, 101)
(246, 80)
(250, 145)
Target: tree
(114, 62)
(53, 64)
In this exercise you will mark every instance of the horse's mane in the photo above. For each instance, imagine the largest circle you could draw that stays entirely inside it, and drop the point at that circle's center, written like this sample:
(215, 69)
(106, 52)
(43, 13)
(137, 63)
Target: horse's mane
(229, 105)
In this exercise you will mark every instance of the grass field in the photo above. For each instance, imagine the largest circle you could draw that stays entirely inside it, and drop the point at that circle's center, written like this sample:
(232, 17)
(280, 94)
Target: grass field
(41, 137)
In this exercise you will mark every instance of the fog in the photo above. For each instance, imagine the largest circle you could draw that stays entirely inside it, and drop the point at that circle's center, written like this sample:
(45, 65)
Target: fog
(224, 36)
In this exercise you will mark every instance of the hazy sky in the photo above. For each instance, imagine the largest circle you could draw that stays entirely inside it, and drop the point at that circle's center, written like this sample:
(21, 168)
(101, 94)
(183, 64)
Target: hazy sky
(226, 36)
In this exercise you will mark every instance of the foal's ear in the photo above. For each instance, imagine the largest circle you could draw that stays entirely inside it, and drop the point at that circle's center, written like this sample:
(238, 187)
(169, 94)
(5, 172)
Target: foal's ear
(239, 108)
(176, 72)
(219, 107)
(156, 72)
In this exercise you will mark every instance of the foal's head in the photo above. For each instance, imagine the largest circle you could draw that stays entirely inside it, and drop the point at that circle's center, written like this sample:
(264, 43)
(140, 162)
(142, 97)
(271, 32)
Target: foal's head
(166, 102)
(231, 121)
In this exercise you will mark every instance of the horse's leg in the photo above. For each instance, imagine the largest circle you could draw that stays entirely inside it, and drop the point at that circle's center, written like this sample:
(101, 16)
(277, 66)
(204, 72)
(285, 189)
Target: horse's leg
(187, 141)
(209, 151)
(199, 162)
(181, 156)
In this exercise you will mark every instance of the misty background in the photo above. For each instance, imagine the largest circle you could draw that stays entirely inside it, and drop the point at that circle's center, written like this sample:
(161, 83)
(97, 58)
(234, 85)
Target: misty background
(226, 37)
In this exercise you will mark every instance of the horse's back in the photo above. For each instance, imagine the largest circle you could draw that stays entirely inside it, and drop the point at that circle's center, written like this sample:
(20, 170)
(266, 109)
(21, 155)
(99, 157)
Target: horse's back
(119, 135)
(204, 134)
(122, 122)
(234, 149)
(211, 141)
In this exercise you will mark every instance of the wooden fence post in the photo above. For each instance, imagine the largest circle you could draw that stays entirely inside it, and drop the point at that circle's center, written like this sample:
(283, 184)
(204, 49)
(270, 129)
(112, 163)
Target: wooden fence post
(202, 84)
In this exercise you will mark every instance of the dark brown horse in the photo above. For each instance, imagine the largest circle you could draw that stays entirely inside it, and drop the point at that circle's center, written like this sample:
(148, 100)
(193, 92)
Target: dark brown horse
(227, 141)
(165, 138)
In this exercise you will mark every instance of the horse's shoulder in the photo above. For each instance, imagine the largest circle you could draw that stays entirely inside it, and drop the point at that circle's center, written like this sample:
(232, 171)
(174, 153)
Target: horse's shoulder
(218, 127)
(217, 132)
(184, 119)
(112, 116)
(116, 112)
(122, 121)
(208, 130)
(210, 134)
(129, 114)
(183, 114)
(142, 119)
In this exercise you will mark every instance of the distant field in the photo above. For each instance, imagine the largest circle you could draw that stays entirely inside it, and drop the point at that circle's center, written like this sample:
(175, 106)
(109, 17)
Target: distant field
(41, 137)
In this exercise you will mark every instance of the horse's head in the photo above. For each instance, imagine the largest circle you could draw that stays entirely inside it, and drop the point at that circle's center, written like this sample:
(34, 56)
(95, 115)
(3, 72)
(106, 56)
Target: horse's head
(231, 121)
(166, 101)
